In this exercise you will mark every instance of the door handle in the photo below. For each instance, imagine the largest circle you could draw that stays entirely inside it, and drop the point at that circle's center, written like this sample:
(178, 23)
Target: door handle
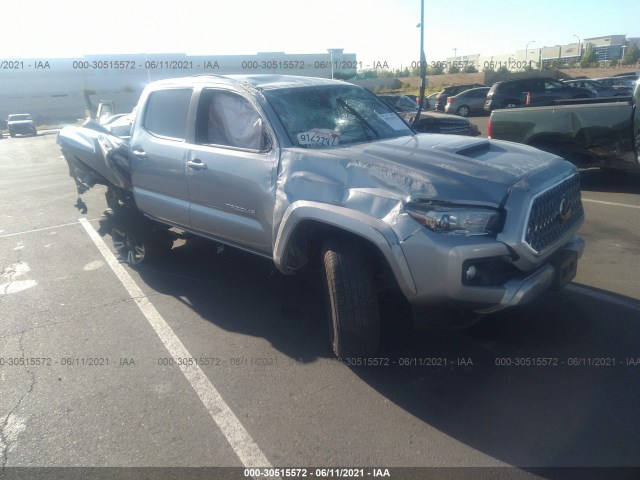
(139, 153)
(196, 164)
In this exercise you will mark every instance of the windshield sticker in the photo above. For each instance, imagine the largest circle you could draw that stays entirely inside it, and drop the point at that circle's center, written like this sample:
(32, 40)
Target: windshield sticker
(319, 137)
(393, 121)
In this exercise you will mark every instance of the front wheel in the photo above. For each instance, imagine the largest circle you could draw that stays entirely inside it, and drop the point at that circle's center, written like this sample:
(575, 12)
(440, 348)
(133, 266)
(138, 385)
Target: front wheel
(352, 300)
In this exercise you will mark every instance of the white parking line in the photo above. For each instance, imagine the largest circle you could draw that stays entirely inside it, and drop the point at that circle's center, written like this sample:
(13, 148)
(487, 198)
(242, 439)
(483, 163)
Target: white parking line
(610, 203)
(243, 445)
(40, 229)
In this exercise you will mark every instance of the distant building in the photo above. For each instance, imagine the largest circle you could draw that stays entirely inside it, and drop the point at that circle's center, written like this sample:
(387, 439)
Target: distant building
(58, 88)
(606, 48)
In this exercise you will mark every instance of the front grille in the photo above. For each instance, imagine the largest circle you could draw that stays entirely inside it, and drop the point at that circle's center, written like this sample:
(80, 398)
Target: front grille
(553, 214)
(454, 127)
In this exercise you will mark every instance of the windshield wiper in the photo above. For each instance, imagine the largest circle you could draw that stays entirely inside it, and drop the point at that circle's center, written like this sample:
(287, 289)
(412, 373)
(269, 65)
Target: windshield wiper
(358, 116)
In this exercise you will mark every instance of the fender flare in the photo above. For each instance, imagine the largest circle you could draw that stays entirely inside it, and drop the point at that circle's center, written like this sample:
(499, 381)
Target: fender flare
(369, 228)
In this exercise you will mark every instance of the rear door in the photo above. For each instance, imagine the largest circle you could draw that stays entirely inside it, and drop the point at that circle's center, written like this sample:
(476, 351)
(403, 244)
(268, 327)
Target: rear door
(158, 155)
(232, 171)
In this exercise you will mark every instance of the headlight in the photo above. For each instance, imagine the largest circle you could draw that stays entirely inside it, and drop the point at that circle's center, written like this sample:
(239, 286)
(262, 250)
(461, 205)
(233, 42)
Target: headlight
(455, 220)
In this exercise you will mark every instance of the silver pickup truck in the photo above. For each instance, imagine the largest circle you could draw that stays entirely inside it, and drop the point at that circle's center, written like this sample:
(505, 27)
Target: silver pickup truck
(309, 171)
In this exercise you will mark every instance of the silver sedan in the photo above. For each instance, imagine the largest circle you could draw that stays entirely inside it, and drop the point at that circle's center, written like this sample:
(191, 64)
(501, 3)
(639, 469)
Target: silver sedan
(468, 102)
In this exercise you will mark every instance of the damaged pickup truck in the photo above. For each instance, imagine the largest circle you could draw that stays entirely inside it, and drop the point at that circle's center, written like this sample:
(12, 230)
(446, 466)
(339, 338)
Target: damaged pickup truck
(603, 132)
(315, 172)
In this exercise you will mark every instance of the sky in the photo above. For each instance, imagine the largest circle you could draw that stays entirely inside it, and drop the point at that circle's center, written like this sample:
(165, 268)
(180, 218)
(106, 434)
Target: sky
(375, 30)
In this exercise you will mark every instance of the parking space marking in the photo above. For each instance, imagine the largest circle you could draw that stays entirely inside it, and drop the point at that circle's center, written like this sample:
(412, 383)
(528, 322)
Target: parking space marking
(243, 445)
(610, 203)
(35, 230)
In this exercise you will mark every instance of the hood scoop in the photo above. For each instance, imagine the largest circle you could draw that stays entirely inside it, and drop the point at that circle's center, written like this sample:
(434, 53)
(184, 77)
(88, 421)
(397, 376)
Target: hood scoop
(467, 147)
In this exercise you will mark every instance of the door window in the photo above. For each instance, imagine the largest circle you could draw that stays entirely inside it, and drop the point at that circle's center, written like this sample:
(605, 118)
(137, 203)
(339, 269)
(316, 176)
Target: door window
(230, 120)
(553, 85)
(166, 113)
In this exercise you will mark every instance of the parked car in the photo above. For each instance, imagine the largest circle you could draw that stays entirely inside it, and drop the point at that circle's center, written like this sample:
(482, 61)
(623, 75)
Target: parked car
(539, 91)
(429, 122)
(425, 106)
(432, 100)
(628, 74)
(441, 97)
(401, 103)
(623, 81)
(595, 133)
(599, 88)
(321, 175)
(468, 102)
(21, 124)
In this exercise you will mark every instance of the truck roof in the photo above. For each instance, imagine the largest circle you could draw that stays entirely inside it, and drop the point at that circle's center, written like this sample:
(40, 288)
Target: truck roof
(261, 81)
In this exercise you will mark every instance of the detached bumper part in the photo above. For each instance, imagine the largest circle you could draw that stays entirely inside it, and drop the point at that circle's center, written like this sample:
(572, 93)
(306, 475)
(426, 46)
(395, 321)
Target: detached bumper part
(556, 274)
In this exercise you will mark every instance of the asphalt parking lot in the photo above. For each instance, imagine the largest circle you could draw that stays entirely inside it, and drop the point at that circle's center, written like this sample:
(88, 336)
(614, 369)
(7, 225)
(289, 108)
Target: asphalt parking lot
(100, 384)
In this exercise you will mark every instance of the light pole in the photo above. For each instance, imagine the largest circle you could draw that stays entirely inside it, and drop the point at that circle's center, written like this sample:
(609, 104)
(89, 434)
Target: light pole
(330, 50)
(526, 52)
(423, 66)
(579, 47)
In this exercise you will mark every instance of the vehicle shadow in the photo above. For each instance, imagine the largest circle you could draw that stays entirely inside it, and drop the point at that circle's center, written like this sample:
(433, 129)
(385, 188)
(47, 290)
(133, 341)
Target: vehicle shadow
(609, 181)
(243, 293)
(545, 385)
(553, 384)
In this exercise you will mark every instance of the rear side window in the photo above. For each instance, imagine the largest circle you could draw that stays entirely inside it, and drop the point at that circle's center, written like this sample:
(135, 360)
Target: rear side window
(166, 113)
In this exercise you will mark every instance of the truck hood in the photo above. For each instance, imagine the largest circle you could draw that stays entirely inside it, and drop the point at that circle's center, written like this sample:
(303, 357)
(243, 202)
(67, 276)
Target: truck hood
(449, 168)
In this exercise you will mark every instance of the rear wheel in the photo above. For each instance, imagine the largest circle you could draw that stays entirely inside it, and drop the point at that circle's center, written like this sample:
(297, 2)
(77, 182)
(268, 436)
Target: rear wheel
(511, 104)
(131, 247)
(463, 111)
(352, 300)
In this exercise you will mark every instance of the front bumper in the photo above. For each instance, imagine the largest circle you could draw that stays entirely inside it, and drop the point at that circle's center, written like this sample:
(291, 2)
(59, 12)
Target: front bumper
(519, 291)
(439, 270)
(22, 129)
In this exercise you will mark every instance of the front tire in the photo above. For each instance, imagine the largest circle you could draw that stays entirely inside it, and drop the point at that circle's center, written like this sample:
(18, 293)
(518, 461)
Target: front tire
(352, 300)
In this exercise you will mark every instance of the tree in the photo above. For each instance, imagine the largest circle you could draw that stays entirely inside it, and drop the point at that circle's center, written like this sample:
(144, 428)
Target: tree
(453, 69)
(556, 63)
(632, 55)
(470, 69)
(589, 58)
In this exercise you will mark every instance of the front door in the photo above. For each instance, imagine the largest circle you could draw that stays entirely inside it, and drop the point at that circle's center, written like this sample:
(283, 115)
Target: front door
(232, 171)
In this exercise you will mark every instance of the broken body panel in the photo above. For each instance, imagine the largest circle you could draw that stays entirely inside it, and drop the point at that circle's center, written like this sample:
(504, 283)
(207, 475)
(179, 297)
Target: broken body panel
(261, 199)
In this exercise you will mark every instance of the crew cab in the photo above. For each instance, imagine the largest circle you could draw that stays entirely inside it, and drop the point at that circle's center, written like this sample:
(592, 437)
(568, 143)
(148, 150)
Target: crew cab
(317, 173)
(590, 133)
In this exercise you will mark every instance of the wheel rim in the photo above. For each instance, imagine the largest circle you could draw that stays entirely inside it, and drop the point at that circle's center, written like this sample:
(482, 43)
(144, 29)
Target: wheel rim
(463, 111)
(131, 251)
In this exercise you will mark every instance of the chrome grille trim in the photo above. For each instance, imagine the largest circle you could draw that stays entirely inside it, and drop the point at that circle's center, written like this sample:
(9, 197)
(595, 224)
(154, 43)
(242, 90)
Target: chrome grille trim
(552, 214)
